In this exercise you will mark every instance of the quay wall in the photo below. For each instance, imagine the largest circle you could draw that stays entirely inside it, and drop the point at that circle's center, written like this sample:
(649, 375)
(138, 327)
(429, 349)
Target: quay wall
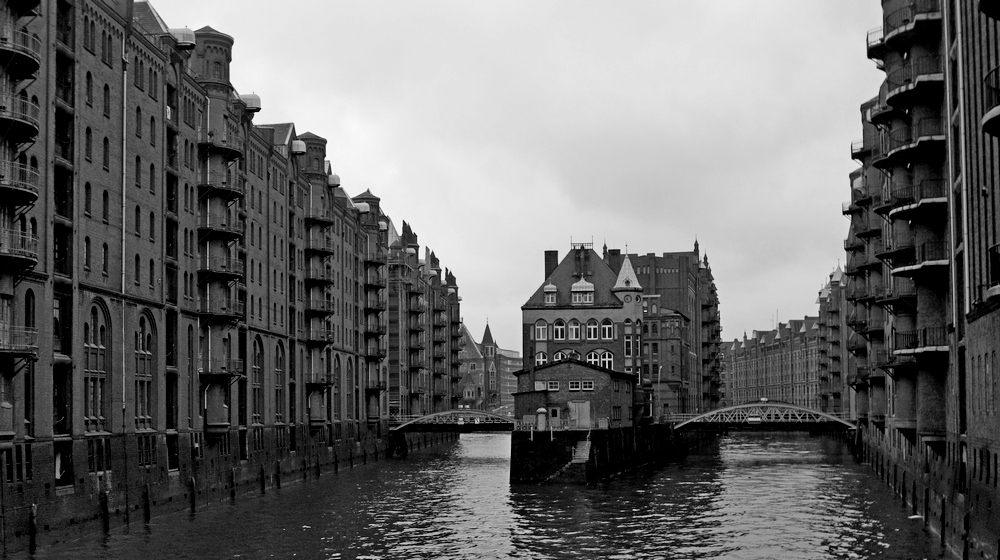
(36, 511)
(546, 456)
(958, 501)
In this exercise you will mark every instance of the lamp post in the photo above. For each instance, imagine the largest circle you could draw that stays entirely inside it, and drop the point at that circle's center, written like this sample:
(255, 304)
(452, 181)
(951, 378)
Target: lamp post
(659, 372)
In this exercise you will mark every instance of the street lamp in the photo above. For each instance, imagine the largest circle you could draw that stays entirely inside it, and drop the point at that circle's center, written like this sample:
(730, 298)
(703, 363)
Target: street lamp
(659, 372)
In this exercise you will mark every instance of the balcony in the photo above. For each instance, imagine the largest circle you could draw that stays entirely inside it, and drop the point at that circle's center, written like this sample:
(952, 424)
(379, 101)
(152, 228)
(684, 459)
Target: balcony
(221, 226)
(226, 310)
(922, 75)
(220, 367)
(321, 307)
(908, 201)
(867, 230)
(320, 246)
(18, 341)
(990, 8)
(320, 276)
(859, 148)
(901, 22)
(20, 53)
(887, 360)
(375, 257)
(852, 244)
(857, 345)
(319, 336)
(928, 339)
(416, 326)
(927, 257)
(18, 183)
(849, 208)
(221, 268)
(374, 279)
(374, 352)
(374, 329)
(892, 249)
(18, 250)
(907, 144)
(898, 291)
(229, 146)
(18, 118)
(318, 381)
(876, 44)
(221, 184)
(374, 305)
(991, 99)
(319, 216)
(881, 113)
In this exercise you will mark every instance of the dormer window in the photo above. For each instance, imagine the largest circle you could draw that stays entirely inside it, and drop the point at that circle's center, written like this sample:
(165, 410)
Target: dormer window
(583, 297)
(550, 298)
(583, 292)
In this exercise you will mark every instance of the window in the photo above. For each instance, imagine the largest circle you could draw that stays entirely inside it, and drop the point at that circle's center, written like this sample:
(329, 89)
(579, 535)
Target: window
(138, 221)
(593, 358)
(541, 330)
(89, 89)
(574, 330)
(86, 199)
(550, 298)
(559, 330)
(88, 144)
(104, 204)
(257, 380)
(144, 363)
(588, 385)
(628, 346)
(106, 155)
(541, 359)
(86, 253)
(96, 349)
(592, 330)
(607, 329)
(552, 385)
(583, 297)
(559, 356)
(107, 100)
(607, 360)
(104, 259)
(574, 385)
(152, 226)
(138, 122)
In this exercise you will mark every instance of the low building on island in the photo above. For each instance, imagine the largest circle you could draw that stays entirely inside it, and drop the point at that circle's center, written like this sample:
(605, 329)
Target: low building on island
(574, 394)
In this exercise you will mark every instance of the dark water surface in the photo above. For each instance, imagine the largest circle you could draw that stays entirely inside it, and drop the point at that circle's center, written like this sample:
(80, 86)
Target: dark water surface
(753, 496)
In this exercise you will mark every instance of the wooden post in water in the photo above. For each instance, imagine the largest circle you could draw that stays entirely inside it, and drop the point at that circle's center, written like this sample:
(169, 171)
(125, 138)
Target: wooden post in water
(32, 527)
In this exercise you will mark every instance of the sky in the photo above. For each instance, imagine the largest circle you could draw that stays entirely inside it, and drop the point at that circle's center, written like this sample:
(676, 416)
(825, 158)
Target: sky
(500, 130)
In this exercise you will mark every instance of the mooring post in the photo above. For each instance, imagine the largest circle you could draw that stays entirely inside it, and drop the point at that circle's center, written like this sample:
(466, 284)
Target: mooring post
(146, 509)
(32, 527)
(105, 516)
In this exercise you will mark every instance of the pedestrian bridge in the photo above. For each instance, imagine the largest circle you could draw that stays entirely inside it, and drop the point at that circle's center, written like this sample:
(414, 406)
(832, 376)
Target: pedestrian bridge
(461, 421)
(762, 416)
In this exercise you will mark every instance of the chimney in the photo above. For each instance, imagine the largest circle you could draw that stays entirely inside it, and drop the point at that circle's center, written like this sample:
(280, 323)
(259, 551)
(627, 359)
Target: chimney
(551, 262)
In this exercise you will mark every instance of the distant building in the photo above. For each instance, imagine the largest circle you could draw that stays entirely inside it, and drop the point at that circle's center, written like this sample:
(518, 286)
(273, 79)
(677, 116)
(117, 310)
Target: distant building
(487, 372)
(782, 364)
(682, 332)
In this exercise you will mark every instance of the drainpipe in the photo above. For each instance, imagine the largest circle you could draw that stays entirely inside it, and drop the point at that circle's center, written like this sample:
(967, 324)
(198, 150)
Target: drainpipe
(125, 40)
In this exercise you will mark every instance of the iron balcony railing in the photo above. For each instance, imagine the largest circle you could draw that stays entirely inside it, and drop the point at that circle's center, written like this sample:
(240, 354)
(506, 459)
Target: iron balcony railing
(221, 180)
(920, 338)
(991, 100)
(17, 243)
(18, 339)
(221, 366)
(912, 70)
(221, 307)
(875, 38)
(19, 176)
(908, 14)
(223, 264)
(16, 107)
(906, 135)
(22, 42)
(222, 222)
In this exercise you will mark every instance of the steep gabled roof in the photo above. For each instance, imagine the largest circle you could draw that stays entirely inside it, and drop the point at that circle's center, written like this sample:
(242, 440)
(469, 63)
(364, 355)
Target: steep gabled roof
(488, 336)
(626, 277)
(565, 275)
(472, 347)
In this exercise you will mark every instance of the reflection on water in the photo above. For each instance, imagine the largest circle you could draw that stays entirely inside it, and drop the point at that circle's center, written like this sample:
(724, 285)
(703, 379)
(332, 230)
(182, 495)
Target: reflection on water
(753, 496)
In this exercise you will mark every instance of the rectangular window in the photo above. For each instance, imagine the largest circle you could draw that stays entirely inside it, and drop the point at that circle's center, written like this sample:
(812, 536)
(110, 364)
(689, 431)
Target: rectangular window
(553, 385)
(574, 385)
(541, 332)
(588, 385)
(98, 454)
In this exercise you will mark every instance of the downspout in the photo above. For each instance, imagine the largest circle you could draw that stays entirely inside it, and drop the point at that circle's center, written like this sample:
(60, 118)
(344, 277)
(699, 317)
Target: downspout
(125, 40)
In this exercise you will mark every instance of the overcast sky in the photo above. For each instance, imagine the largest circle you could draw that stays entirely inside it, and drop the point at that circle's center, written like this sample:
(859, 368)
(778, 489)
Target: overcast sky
(501, 129)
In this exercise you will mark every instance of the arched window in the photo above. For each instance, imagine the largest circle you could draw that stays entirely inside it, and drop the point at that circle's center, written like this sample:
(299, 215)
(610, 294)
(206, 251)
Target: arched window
(593, 358)
(145, 390)
(541, 359)
(152, 131)
(104, 206)
(138, 221)
(541, 330)
(574, 329)
(607, 329)
(608, 360)
(86, 253)
(107, 100)
(106, 154)
(138, 171)
(152, 272)
(257, 381)
(89, 89)
(559, 356)
(135, 269)
(559, 330)
(96, 349)
(104, 259)
(279, 383)
(628, 326)
(152, 226)
(152, 178)
(592, 329)
(656, 328)
(138, 122)
(86, 199)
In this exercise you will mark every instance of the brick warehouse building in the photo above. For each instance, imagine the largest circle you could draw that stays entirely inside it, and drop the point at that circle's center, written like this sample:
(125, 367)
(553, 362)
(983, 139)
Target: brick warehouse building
(922, 265)
(218, 302)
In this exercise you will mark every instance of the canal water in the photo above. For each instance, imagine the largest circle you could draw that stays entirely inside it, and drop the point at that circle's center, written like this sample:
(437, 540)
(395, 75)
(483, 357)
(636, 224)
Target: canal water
(750, 496)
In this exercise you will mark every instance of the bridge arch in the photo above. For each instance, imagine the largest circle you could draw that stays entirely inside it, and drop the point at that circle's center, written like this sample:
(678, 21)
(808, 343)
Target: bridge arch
(760, 413)
(464, 420)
